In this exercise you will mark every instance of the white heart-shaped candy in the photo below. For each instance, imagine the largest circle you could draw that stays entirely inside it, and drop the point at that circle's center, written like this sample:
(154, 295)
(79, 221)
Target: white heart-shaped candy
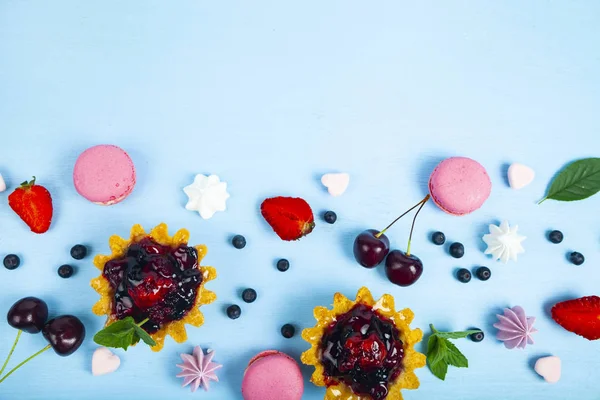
(2, 184)
(336, 184)
(548, 368)
(104, 362)
(520, 175)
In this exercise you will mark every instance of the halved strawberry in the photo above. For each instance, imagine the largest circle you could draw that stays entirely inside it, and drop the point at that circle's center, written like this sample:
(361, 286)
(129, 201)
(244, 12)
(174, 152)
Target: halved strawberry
(33, 204)
(580, 316)
(290, 217)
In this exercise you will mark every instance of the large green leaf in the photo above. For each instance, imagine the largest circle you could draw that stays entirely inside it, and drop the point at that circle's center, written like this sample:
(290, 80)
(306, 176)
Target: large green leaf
(577, 181)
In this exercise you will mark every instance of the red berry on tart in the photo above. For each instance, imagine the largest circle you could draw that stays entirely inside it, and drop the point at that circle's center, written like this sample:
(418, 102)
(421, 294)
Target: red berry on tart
(363, 349)
(155, 279)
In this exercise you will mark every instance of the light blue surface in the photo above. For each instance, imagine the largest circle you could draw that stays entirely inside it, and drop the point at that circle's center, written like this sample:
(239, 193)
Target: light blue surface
(269, 95)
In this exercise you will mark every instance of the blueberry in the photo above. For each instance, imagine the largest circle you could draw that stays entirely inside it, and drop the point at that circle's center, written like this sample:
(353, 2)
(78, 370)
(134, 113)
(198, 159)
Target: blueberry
(438, 238)
(238, 241)
(477, 337)
(249, 295)
(65, 271)
(12, 261)
(576, 258)
(457, 250)
(463, 275)
(483, 273)
(78, 252)
(288, 331)
(234, 311)
(555, 236)
(283, 265)
(330, 217)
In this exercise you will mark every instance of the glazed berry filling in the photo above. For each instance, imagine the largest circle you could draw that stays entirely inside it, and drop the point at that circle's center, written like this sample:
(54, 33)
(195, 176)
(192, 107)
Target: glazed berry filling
(363, 350)
(155, 282)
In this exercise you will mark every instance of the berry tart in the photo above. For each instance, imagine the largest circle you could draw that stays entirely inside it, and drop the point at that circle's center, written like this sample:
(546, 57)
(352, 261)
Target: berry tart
(156, 278)
(363, 349)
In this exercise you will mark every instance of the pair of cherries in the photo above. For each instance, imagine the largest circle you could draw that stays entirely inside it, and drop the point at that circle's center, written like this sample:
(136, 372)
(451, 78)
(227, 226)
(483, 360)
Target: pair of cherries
(65, 333)
(371, 247)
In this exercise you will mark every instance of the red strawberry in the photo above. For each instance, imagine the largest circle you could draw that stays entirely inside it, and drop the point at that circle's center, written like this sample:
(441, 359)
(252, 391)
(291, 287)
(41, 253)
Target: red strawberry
(290, 217)
(580, 316)
(33, 204)
(151, 290)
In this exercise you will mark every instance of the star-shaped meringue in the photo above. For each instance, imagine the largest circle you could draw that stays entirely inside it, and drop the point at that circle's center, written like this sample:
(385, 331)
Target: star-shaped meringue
(504, 243)
(207, 195)
(515, 329)
(198, 369)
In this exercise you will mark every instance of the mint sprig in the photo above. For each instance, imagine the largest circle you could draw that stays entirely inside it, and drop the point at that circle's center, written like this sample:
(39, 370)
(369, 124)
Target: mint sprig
(441, 352)
(123, 333)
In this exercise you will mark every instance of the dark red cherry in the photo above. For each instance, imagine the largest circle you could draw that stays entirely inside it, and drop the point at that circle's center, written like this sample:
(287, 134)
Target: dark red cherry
(370, 250)
(28, 314)
(65, 334)
(403, 269)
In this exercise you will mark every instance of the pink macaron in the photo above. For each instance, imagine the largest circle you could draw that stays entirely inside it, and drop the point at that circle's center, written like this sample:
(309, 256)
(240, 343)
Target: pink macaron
(104, 174)
(459, 185)
(272, 375)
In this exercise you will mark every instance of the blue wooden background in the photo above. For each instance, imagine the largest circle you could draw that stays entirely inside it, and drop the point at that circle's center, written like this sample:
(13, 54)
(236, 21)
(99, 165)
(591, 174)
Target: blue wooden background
(269, 95)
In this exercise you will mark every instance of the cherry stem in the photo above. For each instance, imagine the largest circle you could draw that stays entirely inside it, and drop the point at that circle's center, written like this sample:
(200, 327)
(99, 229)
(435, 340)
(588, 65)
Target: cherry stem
(25, 362)
(413, 224)
(12, 350)
(396, 220)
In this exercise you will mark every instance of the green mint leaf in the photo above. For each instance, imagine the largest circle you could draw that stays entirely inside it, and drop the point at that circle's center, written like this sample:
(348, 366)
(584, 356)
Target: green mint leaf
(122, 334)
(456, 335)
(577, 181)
(441, 352)
(432, 345)
(142, 334)
(119, 334)
(436, 350)
(439, 369)
(453, 356)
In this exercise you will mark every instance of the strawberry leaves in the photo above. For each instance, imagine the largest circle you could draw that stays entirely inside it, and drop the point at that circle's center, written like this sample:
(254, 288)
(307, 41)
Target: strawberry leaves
(441, 352)
(123, 333)
(577, 181)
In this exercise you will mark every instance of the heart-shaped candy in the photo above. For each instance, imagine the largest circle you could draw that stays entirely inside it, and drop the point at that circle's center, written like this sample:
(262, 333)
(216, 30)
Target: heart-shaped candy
(2, 184)
(520, 175)
(336, 184)
(104, 362)
(548, 368)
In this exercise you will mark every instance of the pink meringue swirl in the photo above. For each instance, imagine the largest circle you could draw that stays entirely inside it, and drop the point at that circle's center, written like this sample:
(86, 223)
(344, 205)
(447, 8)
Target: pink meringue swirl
(514, 328)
